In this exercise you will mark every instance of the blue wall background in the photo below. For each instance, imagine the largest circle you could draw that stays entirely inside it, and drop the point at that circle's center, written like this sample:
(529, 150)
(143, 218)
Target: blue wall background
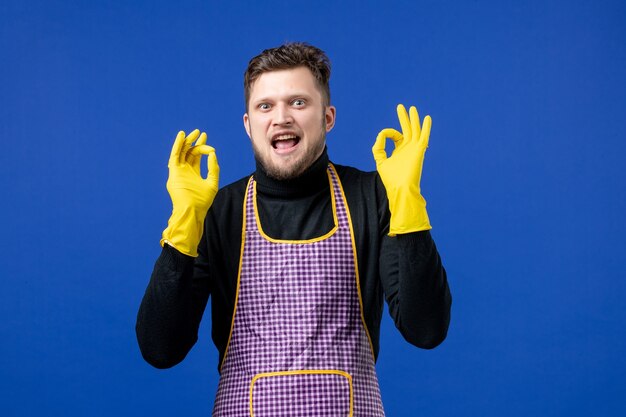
(524, 180)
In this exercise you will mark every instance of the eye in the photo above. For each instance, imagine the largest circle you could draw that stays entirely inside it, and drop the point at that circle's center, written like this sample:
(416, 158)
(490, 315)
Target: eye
(264, 106)
(298, 102)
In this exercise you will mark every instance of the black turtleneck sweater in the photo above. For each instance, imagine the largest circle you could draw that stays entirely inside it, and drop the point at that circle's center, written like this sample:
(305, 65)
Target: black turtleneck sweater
(406, 269)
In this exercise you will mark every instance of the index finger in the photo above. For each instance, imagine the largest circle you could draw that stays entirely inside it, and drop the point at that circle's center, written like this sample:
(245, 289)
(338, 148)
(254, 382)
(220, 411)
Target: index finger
(189, 140)
(378, 150)
(201, 140)
(201, 150)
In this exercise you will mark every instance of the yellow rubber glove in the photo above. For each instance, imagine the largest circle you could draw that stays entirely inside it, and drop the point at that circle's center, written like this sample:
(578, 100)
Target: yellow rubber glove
(191, 194)
(402, 171)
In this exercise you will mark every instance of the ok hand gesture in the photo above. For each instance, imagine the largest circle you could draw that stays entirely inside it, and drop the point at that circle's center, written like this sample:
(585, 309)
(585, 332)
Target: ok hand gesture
(191, 194)
(401, 172)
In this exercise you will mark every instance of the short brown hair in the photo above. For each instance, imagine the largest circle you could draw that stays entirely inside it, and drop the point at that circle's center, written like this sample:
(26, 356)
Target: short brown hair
(287, 56)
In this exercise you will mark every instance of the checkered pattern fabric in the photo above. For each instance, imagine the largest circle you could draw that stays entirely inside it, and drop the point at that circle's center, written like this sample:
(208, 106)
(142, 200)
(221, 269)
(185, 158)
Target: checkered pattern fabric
(299, 395)
(298, 310)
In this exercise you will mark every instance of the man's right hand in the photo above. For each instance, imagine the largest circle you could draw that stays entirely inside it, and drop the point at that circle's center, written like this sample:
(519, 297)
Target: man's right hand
(191, 194)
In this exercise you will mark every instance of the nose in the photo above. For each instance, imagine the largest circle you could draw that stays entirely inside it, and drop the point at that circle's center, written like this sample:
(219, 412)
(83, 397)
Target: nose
(283, 115)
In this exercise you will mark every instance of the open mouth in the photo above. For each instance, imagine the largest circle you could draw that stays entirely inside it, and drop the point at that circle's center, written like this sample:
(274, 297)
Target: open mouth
(285, 142)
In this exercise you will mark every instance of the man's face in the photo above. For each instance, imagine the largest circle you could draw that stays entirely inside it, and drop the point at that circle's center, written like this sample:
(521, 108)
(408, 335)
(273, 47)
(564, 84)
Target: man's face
(287, 121)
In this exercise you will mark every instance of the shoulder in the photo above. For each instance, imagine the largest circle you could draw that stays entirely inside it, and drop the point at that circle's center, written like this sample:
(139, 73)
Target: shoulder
(223, 220)
(229, 200)
(366, 197)
(356, 181)
(233, 191)
(352, 175)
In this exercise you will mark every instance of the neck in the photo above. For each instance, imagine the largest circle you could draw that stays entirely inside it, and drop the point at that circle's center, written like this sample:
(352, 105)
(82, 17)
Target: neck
(309, 182)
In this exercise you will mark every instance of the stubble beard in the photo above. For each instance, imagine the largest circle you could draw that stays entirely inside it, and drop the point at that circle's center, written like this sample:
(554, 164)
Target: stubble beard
(293, 171)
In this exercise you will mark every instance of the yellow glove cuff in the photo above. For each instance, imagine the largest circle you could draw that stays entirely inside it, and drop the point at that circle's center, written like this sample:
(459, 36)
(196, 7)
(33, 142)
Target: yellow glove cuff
(184, 231)
(408, 212)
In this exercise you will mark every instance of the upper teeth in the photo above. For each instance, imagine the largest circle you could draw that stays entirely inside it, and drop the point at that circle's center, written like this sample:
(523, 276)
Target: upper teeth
(284, 137)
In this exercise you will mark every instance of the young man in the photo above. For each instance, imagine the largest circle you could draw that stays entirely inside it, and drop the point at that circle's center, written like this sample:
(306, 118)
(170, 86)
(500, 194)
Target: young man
(297, 256)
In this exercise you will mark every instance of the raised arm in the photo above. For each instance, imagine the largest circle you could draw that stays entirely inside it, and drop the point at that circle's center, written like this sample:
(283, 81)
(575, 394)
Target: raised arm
(412, 275)
(177, 294)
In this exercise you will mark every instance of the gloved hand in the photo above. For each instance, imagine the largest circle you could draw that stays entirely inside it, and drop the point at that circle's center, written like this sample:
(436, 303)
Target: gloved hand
(402, 171)
(191, 194)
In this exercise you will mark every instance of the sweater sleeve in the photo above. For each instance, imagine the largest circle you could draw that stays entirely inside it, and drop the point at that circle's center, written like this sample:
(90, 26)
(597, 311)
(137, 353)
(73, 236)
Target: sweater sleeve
(415, 285)
(172, 307)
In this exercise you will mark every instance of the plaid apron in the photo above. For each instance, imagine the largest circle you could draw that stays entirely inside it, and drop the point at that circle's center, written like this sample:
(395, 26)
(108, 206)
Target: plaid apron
(298, 345)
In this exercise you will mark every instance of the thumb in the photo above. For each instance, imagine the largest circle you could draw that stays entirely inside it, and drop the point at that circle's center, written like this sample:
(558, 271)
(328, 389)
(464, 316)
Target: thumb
(213, 176)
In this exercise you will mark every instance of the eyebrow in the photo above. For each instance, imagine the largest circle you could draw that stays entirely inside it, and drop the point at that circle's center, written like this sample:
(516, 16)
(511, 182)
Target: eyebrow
(288, 98)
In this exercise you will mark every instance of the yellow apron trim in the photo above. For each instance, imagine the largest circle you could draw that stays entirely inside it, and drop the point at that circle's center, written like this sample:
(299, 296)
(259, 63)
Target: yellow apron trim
(243, 241)
(313, 240)
(356, 263)
(304, 372)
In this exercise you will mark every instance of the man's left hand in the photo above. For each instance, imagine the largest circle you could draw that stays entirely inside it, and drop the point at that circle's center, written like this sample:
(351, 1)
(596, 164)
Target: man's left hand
(401, 172)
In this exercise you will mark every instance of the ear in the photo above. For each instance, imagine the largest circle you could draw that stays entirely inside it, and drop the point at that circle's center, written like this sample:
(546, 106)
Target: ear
(246, 124)
(329, 117)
